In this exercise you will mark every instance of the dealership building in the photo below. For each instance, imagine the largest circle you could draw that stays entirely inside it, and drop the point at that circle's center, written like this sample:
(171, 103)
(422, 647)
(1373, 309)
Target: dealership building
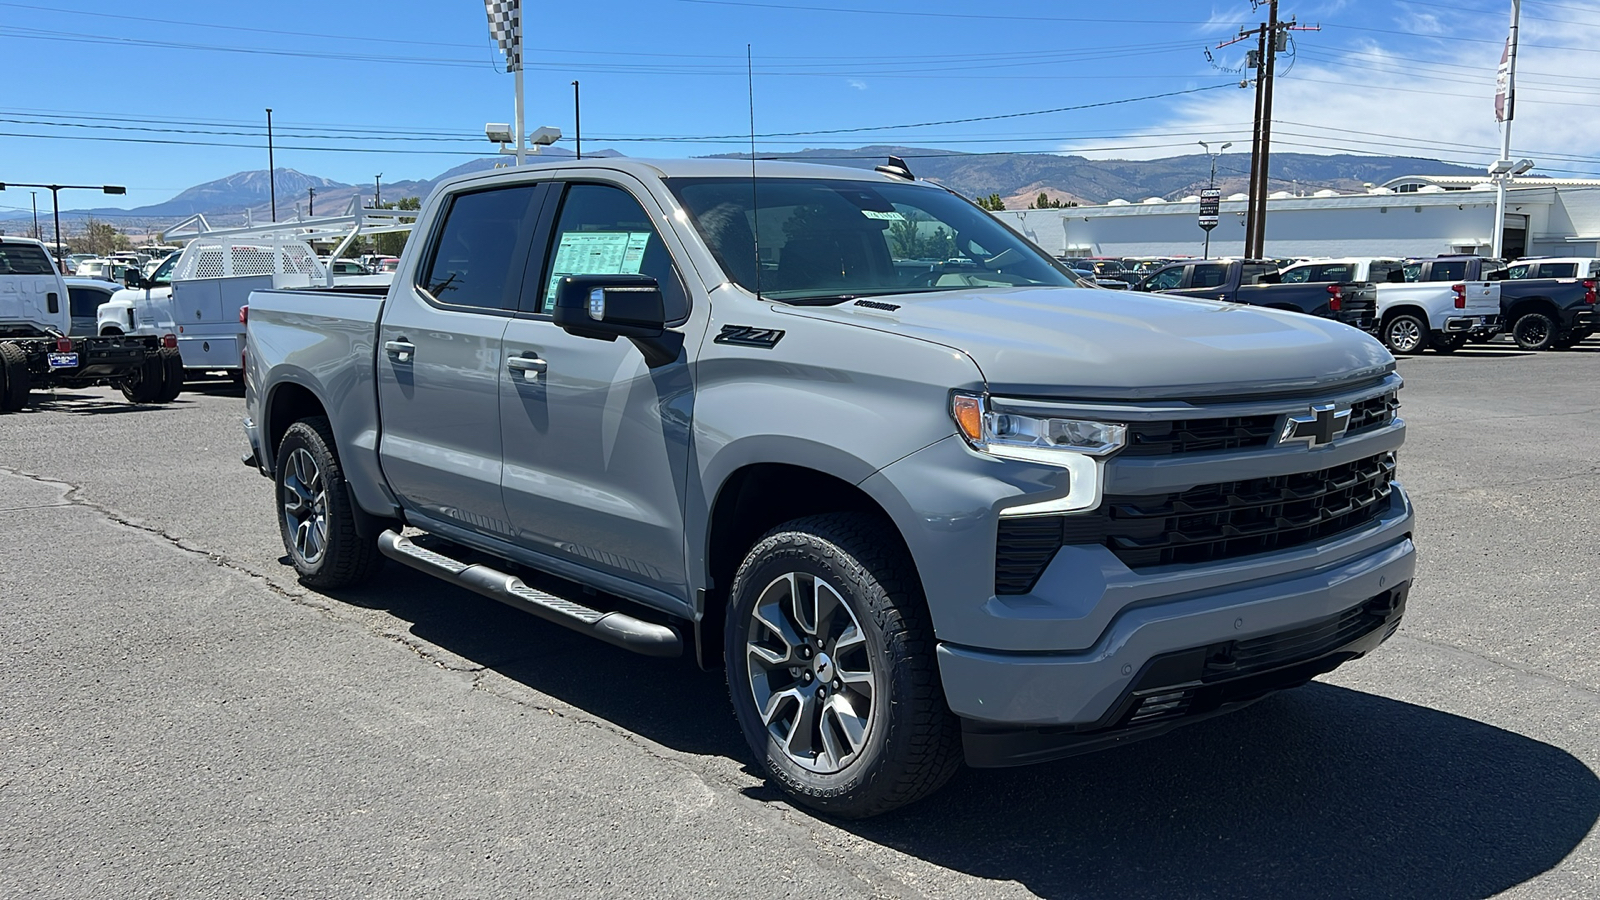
(1422, 215)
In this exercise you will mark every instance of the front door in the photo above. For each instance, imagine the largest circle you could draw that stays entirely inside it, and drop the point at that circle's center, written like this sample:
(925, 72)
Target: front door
(439, 369)
(596, 443)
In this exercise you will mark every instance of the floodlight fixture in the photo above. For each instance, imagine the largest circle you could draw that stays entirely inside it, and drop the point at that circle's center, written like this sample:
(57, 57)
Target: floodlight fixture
(498, 132)
(1522, 166)
(546, 135)
(1501, 167)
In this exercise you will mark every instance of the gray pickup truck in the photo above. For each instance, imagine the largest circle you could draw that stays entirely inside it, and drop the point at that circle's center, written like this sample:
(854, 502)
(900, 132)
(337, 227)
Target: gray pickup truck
(846, 436)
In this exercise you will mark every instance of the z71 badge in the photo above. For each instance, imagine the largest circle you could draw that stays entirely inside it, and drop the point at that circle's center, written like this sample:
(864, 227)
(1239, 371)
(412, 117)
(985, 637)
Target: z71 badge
(745, 336)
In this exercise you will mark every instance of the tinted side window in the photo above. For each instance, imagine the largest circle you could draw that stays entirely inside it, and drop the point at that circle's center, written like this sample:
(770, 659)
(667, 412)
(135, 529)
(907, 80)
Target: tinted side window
(85, 301)
(478, 258)
(1448, 271)
(602, 230)
(1166, 279)
(1295, 276)
(1558, 270)
(1339, 272)
(1209, 276)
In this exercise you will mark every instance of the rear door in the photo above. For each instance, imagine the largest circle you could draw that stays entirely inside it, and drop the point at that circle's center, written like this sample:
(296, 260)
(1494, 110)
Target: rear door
(438, 358)
(596, 443)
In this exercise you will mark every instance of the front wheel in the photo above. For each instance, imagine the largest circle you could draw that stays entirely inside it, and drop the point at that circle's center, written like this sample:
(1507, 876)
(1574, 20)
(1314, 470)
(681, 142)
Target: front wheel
(315, 516)
(1405, 333)
(1534, 331)
(172, 367)
(146, 383)
(831, 669)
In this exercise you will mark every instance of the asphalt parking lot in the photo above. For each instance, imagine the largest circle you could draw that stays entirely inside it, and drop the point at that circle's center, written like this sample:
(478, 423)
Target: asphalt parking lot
(181, 719)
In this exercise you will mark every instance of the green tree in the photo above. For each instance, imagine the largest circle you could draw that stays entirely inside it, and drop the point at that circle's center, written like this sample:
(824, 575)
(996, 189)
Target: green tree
(908, 239)
(392, 244)
(992, 203)
(99, 238)
(1043, 201)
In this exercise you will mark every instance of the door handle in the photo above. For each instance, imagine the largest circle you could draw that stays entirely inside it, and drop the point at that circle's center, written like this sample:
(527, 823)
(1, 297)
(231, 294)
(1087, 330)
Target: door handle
(531, 366)
(401, 350)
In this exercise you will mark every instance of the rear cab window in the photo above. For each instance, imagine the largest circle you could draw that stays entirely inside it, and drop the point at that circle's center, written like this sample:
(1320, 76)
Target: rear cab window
(24, 259)
(477, 260)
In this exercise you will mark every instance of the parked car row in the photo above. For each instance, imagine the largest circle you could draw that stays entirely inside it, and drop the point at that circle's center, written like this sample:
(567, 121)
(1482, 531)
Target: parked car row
(1412, 305)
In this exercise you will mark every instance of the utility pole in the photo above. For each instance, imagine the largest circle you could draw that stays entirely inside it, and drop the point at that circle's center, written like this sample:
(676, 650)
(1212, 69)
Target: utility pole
(1272, 38)
(272, 169)
(35, 195)
(311, 202)
(577, 118)
(377, 190)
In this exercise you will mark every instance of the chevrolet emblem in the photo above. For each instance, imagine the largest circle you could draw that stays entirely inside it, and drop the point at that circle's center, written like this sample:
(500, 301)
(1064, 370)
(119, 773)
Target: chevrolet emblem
(1324, 425)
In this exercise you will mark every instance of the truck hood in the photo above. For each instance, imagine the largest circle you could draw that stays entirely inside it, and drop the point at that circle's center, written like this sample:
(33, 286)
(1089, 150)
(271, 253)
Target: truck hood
(1075, 343)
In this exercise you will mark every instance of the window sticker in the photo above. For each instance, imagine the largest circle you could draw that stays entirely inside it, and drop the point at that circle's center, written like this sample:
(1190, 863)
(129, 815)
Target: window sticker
(596, 253)
(884, 216)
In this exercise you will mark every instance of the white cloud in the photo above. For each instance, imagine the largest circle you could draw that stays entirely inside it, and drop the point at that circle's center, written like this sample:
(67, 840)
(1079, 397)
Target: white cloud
(857, 83)
(1386, 99)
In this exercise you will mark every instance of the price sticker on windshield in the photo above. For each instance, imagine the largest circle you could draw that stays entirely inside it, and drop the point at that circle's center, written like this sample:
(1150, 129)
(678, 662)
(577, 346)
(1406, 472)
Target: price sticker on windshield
(883, 216)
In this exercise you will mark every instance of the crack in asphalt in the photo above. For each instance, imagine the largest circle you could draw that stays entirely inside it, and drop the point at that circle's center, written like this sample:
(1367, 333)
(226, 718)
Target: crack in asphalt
(1509, 665)
(76, 496)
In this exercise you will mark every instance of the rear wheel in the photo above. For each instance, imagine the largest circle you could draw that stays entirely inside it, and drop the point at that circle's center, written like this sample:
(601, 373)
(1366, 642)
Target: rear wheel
(1447, 343)
(172, 368)
(1405, 333)
(1534, 331)
(146, 382)
(315, 516)
(15, 381)
(831, 669)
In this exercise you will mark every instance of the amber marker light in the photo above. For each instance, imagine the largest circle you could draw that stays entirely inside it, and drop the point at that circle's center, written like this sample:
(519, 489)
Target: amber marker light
(967, 410)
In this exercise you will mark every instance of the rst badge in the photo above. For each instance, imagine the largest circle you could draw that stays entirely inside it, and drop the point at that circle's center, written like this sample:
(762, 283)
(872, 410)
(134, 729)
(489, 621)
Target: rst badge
(1324, 425)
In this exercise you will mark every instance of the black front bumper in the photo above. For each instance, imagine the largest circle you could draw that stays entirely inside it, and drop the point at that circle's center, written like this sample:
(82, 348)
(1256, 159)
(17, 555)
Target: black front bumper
(1195, 684)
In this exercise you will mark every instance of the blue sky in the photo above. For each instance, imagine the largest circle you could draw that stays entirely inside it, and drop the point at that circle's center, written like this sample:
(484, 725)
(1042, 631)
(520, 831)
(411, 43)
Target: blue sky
(138, 94)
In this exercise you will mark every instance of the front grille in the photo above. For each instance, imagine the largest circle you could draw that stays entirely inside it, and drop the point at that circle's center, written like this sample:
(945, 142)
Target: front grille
(1199, 435)
(1239, 432)
(1203, 524)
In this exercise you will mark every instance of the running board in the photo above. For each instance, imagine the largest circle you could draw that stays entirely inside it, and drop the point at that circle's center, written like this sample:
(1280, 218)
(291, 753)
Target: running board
(619, 629)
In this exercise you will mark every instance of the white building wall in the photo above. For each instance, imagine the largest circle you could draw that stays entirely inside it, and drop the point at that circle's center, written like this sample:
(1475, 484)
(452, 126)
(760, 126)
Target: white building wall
(1354, 225)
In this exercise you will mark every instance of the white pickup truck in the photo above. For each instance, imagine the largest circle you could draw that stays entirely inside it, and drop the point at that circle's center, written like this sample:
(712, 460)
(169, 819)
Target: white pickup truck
(1421, 303)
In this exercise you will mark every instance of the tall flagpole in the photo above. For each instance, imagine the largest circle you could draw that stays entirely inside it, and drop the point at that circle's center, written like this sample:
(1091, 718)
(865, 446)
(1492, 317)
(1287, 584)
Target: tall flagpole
(1506, 108)
(522, 130)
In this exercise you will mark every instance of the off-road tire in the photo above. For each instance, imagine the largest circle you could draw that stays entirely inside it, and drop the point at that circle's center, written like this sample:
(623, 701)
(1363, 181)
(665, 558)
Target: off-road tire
(1405, 334)
(347, 559)
(146, 382)
(15, 382)
(1447, 343)
(1535, 331)
(172, 367)
(913, 743)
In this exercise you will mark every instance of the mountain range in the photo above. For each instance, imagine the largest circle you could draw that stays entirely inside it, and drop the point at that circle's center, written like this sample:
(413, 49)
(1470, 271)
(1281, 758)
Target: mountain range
(1018, 178)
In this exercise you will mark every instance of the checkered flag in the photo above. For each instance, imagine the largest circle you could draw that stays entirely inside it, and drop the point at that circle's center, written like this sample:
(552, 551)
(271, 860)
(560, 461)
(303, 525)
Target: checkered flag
(505, 26)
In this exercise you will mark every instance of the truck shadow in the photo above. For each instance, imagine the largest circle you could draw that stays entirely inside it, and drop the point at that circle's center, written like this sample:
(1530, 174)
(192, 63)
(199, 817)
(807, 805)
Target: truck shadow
(1319, 792)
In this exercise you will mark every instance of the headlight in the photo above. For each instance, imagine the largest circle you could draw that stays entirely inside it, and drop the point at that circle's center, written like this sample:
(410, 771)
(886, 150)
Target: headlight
(1012, 434)
(1077, 445)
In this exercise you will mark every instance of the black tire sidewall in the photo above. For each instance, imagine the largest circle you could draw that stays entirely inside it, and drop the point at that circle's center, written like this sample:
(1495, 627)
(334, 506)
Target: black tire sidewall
(912, 746)
(1534, 319)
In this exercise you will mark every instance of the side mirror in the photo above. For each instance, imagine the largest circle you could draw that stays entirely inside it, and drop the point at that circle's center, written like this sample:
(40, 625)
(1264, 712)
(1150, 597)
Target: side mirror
(132, 278)
(606, 307)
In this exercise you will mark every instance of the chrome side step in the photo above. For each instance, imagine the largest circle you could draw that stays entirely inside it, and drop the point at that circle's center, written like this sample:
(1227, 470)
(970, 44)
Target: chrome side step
(619, 629)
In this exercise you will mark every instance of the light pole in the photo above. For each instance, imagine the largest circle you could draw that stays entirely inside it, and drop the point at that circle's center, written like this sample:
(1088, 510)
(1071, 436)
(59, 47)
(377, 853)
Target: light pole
(377, 191)
(55, 198)
(1212, 183)
(1505, 111)
(35, 196)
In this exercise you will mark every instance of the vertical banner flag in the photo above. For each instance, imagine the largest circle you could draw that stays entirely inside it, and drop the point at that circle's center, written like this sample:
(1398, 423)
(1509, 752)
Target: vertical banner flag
(1503, 103)
(505, 26)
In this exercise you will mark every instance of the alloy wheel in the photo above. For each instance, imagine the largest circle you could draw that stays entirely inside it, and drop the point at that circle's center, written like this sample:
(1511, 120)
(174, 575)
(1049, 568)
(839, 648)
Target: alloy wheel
(811, 673)
(305, 506)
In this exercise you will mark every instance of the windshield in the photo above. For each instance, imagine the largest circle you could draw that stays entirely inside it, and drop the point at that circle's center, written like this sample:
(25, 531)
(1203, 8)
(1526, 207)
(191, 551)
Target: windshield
(825, 240)
(163, 272)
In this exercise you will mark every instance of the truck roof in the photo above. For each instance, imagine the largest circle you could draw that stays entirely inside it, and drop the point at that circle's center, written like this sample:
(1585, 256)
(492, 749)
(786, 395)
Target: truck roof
(684, 168)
